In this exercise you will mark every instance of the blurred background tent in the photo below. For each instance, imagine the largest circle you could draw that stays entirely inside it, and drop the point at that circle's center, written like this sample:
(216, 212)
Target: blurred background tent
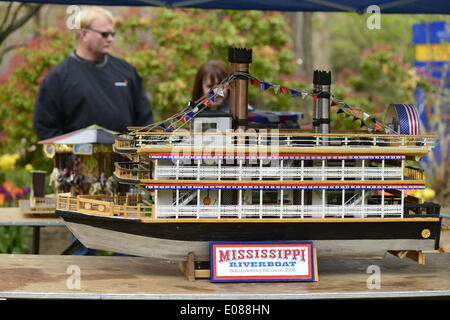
(386, 6)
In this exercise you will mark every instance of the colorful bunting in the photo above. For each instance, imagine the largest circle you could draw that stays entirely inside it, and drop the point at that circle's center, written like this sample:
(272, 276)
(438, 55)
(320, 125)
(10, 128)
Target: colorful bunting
(181, 118)
(357, 113)
(284, 89)
(363, 116)
(190, 115)
(193, 107)
(264, 85)
(377, 126)
(276, 88)
(220, 92)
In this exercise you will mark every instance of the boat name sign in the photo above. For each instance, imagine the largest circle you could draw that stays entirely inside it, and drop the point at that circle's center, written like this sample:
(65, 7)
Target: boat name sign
(262, 261)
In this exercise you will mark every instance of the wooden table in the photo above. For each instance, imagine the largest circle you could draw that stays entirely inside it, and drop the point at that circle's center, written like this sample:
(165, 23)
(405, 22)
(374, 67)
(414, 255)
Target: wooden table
(15, 217)
(44, 277)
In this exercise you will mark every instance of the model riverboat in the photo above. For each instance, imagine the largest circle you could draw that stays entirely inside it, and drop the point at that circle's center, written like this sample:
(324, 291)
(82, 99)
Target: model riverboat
(223, 181)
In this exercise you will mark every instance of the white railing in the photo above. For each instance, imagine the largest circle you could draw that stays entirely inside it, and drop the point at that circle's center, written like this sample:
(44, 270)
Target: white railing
(277, 211)
(103, 206)
(218, 173)
(273, 138)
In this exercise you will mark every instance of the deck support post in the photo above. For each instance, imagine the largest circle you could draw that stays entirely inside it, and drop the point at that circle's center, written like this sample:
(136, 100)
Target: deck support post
(417, 256)
(188, 268)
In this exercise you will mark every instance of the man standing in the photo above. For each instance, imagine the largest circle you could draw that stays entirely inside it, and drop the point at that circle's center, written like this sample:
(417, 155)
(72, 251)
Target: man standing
(91, 86)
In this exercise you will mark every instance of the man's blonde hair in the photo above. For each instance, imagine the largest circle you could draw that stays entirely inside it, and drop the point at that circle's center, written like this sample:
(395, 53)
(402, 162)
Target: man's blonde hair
(88, 14)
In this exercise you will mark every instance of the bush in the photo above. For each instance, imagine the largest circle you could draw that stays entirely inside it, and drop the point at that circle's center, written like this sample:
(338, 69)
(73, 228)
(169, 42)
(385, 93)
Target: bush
(14, 239)
(14, 185)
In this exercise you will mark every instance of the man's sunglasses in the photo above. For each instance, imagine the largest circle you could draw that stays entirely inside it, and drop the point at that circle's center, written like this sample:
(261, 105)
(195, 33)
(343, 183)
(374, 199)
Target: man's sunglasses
(104, 34)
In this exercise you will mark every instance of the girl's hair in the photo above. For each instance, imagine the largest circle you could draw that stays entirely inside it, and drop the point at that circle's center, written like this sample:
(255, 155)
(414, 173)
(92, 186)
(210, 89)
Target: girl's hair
(215, 70)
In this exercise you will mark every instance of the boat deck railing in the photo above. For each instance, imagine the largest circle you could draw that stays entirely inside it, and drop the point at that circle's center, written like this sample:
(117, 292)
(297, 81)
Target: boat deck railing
(132, 171)
(103, 205)
(42, 204)
(139, 172)
(112, 207)
(276, 173)
(280, 212)
(148, 140)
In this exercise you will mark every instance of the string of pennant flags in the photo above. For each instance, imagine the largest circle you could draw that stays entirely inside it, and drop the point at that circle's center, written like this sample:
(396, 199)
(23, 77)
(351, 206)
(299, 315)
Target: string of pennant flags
(180, 119)
(358, 114)
(344, 107)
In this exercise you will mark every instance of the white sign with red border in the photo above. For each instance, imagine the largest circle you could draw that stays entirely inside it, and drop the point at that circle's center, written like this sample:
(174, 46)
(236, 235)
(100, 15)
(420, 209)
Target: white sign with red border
(263, 261)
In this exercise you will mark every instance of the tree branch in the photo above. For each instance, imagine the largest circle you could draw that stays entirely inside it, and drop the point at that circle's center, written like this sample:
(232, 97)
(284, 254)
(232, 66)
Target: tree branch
(9, 48)
(6, 16)
(14, 25)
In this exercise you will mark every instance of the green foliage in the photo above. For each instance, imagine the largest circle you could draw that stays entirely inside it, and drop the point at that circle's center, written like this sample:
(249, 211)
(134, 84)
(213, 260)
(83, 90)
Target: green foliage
(182, 39)
(384, 78)
(19, 88)
(351, 36)
(20, 177)
(14, 239)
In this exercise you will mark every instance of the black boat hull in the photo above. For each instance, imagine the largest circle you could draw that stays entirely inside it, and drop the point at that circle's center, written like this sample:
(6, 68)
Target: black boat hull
(174, 239)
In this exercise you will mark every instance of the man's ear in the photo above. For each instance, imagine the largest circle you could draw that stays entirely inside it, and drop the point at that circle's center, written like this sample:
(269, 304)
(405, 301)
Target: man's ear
(81, 33)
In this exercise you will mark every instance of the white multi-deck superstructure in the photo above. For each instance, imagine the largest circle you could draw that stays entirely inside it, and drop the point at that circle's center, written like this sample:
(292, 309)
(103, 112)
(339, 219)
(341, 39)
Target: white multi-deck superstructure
(292, 176)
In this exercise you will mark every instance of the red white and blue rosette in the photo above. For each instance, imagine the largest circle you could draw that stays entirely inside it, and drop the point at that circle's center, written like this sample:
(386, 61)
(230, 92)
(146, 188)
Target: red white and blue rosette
(403, 119)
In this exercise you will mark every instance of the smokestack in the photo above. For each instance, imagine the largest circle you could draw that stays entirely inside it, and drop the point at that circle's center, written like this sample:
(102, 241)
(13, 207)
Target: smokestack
(324, 102)
(316, 111)
(240, 59)
(321, 105)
